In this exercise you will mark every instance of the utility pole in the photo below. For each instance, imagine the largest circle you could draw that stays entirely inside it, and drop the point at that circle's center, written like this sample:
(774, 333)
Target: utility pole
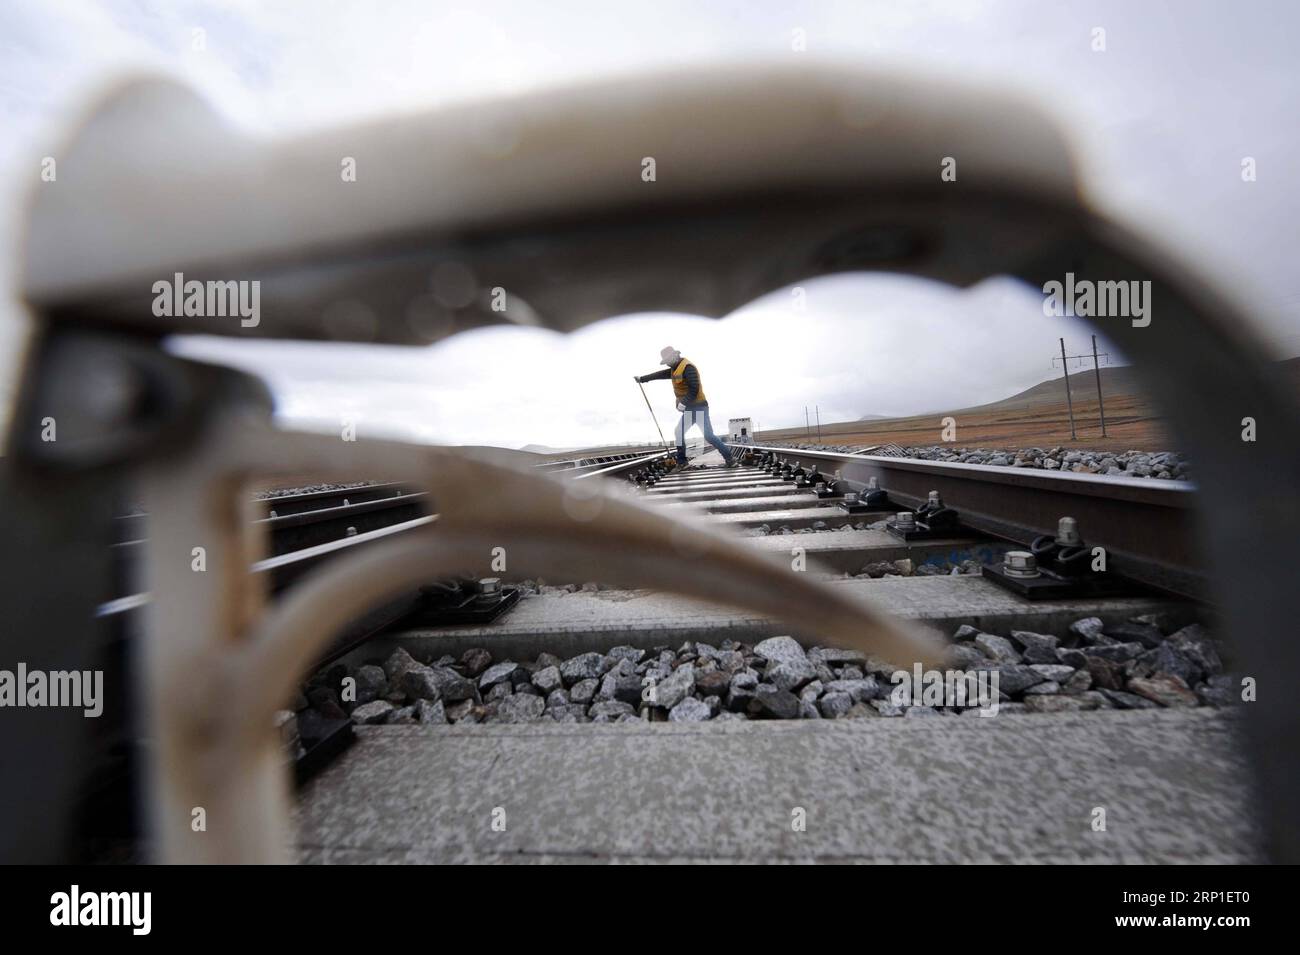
(1069, 402)
(1096, 367)
(1101, 408)
(819, 423)
(807, 427)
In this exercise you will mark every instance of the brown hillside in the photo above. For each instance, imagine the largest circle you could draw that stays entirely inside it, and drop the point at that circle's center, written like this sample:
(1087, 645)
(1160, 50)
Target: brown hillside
(1036, 417)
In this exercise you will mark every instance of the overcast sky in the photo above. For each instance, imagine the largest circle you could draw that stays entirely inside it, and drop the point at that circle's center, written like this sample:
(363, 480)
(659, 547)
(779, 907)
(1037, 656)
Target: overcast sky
(1162, 119)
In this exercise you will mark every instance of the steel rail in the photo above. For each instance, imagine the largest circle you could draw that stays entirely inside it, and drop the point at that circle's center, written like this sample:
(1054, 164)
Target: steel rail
(291, 532)
(302, 539)
(298, 501)
(284, 569)
(593, 465)
(628, 465)
(1146, 526)
(586, 461)
(128, 528)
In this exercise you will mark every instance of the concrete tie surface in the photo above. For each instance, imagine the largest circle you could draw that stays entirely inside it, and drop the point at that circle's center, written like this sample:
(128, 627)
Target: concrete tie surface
(1010, 788)
(569, 624)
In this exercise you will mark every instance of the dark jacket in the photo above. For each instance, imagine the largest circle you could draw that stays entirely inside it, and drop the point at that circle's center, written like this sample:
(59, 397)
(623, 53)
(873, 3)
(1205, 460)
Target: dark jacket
(692, 378)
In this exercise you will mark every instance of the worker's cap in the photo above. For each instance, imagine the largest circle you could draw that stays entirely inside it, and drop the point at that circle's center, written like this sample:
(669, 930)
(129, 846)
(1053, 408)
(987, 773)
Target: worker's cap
(669, 355)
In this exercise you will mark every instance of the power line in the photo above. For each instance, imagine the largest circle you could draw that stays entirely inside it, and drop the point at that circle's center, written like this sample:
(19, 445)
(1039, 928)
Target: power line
(1096, 366)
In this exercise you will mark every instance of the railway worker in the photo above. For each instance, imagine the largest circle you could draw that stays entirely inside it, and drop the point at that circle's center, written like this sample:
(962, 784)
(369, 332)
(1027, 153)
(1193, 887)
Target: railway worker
(691, 402)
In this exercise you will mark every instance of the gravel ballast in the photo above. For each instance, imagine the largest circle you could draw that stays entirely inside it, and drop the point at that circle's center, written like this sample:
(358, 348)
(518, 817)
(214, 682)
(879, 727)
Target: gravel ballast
(1139, 664)
(1161, 465)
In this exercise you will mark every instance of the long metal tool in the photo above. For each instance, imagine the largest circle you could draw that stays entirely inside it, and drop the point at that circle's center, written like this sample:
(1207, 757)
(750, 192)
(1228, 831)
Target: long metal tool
(653, 415)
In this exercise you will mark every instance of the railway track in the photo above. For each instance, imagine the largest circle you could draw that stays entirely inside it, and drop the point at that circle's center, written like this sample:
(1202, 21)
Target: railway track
(841, 533)
(1081, 671)
(305, 529)
(827, 512)
(302, 530)
(776, 495)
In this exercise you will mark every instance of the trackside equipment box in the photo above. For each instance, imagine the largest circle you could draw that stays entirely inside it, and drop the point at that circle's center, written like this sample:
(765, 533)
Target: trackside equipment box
(740, 431)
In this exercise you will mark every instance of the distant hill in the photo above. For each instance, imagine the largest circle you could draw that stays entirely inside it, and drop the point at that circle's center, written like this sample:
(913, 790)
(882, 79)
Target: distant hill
(1037, 416)
(501, 455)
(546, 449)
(1115, 381)
(1118, 381)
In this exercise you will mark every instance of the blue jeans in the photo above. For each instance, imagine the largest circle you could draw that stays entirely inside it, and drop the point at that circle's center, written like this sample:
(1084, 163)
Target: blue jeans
(691, 417)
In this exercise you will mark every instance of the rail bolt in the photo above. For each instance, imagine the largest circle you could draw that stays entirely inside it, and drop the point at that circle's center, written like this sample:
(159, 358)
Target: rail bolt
(1019, 563)
(1067, 532)
(905, 520)
(851, 497)
(489, 586)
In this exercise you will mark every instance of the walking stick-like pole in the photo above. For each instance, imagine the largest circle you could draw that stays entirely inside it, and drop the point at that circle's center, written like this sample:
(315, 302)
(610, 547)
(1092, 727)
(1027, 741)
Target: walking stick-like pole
(653, 415)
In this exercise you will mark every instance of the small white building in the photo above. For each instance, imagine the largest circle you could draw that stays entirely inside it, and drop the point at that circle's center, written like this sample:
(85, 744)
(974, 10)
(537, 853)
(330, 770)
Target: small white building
(740, 431)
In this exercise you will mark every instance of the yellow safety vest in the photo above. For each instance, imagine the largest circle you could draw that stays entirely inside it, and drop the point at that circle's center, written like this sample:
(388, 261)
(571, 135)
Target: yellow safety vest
(679, 383)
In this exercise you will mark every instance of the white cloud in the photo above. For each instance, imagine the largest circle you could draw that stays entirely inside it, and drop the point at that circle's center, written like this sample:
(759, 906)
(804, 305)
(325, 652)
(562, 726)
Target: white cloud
(1161, 120)
(864, 344)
